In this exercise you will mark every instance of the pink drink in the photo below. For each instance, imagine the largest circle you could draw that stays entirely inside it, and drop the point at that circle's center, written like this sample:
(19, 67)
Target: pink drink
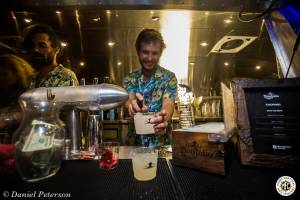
(109, 159)
(7, 159)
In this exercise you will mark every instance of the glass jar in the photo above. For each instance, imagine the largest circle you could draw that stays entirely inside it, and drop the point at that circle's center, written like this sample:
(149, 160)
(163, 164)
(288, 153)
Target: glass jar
(39, 141)
(186, 114)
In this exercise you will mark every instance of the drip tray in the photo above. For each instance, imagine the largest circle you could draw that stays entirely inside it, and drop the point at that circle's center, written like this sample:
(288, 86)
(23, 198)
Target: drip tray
(84, 180)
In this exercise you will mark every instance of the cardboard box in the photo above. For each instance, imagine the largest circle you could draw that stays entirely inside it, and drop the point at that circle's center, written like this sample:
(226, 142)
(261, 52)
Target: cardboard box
(203, 146)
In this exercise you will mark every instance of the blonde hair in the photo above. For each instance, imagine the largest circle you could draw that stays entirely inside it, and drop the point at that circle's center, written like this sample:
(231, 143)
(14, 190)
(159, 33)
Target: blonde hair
(22, 69)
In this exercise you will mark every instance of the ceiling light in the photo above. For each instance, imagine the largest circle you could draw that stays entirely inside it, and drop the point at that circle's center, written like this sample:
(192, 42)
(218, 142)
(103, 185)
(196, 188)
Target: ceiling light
(108, 12)
(204, 44)
(58, 12)
(226, 63)
(96, 19)
(27, 20)
(110, 44)
(119, 63)
(82, 63)
(64, 44)
(191, 63)
(155, 18)
(257, 67)
(227, 21)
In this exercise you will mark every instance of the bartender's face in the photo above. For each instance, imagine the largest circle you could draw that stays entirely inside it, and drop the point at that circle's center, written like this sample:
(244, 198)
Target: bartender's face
(42, 53)
(149, 55)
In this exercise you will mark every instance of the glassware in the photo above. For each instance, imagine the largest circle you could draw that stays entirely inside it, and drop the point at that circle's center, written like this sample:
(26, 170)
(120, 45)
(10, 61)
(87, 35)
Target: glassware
(39, 141)
(92, 137)
(108, 155)
(142, 123)
(144, 163)
(186, 114)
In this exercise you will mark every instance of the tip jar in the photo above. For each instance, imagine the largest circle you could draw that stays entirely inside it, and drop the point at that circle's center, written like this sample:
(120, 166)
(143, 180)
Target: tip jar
(39, 141)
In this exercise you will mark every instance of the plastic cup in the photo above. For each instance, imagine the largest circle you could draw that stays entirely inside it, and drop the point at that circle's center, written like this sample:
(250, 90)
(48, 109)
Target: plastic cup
(142, 123)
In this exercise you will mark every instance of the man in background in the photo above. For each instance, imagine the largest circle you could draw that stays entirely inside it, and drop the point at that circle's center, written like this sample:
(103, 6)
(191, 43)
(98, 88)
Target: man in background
(153, 85)
(43, 47)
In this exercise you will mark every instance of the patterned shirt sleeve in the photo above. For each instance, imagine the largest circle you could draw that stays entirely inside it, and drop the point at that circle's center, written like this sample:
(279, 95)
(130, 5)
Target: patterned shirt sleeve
(171, 89)
(59, 77)
(130, 84)
(66, 80)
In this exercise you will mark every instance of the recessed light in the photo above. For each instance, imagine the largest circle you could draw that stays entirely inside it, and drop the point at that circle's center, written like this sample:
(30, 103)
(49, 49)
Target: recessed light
(82, 63)
(108, 12)
(227, 21)
(119, 63)
(155, 18)
(64, 44)
(96, 19)
(226, 63)
(27, 20)
(204, 44)
(192, 63)
(110, 44)
(58, 12)
(257, 67)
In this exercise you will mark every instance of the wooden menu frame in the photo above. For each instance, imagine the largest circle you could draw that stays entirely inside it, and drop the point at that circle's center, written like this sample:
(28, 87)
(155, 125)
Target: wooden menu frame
(245, 140)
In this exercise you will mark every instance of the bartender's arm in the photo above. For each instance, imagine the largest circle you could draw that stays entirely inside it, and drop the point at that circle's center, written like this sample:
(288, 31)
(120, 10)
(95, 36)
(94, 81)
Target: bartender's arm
(160, 119)
(163, 117)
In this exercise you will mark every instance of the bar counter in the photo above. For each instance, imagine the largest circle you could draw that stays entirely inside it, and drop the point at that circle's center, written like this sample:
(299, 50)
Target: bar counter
(82, 179)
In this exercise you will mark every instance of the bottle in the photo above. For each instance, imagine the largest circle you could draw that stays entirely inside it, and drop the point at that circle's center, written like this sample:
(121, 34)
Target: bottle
(66, 150)
(39, 141)
(95, 81)
(82, 81)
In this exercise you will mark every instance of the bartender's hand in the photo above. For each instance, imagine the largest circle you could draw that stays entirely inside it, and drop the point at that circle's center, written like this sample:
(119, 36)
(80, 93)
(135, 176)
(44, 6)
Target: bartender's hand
(160, 124)
(134, 107)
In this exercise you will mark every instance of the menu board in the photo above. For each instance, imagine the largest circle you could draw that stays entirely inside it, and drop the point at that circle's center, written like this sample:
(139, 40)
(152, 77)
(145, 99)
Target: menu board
(274, 116)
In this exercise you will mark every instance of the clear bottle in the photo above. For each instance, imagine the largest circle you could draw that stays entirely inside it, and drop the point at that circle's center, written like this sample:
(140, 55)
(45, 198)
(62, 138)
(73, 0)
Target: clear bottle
(39, 141)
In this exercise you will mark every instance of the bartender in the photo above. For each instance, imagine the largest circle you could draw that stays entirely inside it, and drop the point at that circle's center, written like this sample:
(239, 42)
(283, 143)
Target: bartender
(153, 85)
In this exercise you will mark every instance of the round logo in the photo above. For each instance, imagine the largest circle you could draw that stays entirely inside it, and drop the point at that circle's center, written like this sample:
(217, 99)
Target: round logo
(285, 186)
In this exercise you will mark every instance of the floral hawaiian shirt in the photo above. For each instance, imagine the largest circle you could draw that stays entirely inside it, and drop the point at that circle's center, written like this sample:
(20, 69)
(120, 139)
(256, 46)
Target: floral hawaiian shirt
(59, 76)
(162, 85)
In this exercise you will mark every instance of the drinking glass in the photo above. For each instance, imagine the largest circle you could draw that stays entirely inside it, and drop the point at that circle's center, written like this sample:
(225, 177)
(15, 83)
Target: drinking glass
(108, 155)
(144, 163)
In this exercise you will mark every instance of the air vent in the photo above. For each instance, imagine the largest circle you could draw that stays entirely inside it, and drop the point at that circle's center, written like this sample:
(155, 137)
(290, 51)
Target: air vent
(232, 44)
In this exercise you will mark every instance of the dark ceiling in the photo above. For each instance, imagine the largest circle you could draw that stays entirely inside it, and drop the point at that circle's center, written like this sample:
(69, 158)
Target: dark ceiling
(88, 39)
